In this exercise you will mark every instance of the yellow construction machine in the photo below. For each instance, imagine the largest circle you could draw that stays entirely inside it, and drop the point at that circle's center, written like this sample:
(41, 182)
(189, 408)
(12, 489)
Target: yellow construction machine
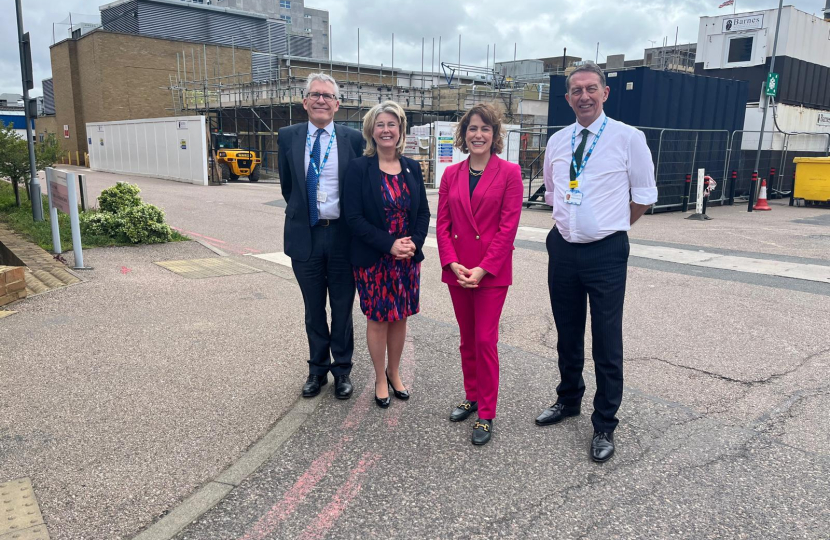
(234, 162)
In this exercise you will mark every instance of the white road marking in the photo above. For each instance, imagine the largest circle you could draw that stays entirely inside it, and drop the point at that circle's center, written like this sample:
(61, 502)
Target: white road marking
(277, 257)
(749, 265)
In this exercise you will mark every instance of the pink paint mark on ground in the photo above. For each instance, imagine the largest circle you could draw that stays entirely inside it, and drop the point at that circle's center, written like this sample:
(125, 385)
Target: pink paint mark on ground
(125, 270)
(407, 370)
(294, 496)
(329, 515)
(208, 238)
(252, 250)
(315, 472)
(361, 406)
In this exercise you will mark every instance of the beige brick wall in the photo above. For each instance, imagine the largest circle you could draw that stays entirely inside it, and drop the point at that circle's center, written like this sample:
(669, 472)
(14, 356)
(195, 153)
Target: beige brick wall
(12, 284)
(104, 77)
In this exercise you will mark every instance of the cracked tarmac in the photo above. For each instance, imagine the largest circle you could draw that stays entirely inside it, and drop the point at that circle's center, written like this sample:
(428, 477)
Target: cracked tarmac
(723, 423)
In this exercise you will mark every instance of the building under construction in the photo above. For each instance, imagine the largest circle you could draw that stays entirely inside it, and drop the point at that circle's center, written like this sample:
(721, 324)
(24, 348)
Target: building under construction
(256, 104)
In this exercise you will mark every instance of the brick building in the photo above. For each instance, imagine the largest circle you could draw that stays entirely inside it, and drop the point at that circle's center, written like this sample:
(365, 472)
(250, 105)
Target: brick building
(106, 76)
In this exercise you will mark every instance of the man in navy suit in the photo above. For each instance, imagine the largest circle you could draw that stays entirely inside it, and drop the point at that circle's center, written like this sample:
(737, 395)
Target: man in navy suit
(312, 161)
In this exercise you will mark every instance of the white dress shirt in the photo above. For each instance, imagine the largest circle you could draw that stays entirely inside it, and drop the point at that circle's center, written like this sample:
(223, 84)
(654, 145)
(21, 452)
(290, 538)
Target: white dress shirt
(329, 182)
(619, 170)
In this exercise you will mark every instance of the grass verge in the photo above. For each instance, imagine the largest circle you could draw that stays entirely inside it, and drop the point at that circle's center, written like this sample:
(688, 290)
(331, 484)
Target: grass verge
(19, 219)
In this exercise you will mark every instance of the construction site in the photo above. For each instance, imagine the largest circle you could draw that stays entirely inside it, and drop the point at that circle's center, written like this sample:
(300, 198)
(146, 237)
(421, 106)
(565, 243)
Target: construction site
(255, 105)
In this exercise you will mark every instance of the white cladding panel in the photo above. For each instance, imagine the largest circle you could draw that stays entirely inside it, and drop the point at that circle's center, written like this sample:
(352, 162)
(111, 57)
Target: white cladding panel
(171, 148)
(802, 36)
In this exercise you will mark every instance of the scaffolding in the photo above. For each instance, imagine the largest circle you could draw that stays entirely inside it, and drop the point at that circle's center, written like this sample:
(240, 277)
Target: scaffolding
(255, 104)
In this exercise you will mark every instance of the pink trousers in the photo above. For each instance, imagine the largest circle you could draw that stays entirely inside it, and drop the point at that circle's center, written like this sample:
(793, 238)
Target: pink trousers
(477, 312)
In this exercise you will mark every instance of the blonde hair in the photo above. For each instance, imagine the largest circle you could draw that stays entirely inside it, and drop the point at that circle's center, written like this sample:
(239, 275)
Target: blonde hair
(369, 126)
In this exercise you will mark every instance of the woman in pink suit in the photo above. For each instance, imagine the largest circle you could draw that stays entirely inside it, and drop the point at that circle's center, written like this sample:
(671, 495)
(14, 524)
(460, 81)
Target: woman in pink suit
(479, 206)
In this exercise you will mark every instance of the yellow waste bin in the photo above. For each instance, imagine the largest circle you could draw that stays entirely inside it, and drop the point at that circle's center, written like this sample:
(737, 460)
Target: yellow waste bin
(812, 179)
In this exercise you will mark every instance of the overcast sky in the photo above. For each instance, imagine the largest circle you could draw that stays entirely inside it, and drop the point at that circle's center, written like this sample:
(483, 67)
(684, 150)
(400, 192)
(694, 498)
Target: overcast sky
(538, 28)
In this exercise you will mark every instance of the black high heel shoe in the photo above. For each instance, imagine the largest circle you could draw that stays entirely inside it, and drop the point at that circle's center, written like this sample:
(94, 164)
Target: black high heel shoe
(400, 394)
(383, 403)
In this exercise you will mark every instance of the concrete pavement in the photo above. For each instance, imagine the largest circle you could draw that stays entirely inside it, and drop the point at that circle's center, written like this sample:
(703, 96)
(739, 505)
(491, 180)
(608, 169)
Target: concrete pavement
(125, 394)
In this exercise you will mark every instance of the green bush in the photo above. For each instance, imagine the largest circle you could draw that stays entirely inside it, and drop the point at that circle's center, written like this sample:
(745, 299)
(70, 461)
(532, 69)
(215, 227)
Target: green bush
(101, 224)
(119, 197)
(144, 224)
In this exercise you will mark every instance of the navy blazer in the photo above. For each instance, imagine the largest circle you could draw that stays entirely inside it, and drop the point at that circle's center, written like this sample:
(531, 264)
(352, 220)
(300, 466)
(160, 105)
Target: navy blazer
(366, 216)
(291, 159)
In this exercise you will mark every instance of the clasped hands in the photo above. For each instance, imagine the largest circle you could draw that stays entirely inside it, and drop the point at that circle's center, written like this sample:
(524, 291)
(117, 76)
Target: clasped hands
(403, 248)
(468, 279)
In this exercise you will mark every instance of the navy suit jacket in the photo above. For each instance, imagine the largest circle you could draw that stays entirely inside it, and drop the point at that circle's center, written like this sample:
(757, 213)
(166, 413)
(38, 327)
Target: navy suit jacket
(366, 216)
(292, 147)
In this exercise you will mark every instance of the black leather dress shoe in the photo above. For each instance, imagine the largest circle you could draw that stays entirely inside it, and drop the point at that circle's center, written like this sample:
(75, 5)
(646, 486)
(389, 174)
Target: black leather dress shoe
(463, 410)
(482, 431)
(602, 446)
(383, 403)
(555, 414)
(342, 387)
(400, 394)
(313, 385)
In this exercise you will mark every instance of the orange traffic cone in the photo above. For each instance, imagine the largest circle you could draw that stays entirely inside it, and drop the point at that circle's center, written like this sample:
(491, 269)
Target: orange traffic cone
(762, 198)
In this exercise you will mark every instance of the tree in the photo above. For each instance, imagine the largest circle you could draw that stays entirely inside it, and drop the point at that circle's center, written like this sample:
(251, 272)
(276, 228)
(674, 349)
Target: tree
(14, 158)
(47, 152)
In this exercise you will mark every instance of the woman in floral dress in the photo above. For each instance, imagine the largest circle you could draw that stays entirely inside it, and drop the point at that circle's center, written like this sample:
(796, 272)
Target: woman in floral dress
(387, 211)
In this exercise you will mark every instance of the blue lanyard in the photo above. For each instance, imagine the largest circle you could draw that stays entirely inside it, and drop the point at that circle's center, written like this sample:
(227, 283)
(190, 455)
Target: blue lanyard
(577, 168)
(309, 147)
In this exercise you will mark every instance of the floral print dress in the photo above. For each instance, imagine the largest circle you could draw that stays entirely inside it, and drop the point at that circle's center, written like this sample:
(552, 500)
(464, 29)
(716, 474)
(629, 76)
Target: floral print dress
(389, 289)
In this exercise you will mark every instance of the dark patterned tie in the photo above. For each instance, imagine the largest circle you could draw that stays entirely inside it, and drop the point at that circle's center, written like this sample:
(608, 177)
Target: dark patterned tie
(578, 155)
(312, 178)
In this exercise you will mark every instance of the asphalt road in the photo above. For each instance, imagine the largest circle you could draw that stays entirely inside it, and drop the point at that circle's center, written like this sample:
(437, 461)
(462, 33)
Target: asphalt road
(137, 387)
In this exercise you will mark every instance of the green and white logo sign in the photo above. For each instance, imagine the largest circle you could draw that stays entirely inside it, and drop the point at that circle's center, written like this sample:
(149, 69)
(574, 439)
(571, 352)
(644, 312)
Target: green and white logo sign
(771, 88)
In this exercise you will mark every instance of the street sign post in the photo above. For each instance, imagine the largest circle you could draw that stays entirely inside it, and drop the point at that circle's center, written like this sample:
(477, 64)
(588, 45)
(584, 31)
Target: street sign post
(63, 196)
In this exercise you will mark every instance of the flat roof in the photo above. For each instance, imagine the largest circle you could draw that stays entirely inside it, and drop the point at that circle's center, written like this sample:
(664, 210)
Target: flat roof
(191, 5)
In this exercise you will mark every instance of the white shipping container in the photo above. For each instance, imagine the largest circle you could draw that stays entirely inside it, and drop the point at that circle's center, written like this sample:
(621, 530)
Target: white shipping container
(171, 148)
(812, 125)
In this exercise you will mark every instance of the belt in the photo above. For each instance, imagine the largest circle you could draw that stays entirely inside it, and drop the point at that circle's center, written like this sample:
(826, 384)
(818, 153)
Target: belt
(326, 222)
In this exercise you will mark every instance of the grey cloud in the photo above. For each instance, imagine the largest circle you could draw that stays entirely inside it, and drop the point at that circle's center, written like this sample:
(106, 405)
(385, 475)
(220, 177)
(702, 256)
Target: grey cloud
(539, 28)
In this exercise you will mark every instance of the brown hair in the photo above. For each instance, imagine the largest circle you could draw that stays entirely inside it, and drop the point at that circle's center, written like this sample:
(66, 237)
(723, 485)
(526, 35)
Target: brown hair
(490, 116)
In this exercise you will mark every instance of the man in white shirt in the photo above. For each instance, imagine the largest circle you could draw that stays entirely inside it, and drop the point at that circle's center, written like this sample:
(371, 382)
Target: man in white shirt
(599, 178)
(312, 161)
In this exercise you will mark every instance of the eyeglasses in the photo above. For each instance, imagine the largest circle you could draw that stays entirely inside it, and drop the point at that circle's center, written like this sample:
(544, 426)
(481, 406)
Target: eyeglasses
(314, 96)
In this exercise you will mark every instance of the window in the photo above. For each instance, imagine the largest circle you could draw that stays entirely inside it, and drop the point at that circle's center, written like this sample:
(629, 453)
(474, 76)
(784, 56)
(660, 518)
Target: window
(285, 4)
(325, 34)
(307, 16)
(740, 50)
(286, 18)
(308, 30)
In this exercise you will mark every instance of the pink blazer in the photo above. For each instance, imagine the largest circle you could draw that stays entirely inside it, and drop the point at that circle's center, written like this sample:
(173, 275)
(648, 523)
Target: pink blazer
(481, 231)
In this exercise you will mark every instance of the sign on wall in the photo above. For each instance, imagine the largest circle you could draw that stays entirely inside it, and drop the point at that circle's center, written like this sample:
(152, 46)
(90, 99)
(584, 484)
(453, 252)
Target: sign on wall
(823, 119)
(65, 131)
(748, 22)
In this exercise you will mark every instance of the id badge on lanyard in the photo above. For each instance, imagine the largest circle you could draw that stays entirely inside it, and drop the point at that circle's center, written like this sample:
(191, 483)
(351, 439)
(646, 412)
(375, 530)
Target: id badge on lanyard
(573, 195)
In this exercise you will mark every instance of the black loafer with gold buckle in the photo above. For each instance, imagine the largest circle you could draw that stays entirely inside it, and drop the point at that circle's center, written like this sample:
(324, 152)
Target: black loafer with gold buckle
(482, 431)
(463, 410)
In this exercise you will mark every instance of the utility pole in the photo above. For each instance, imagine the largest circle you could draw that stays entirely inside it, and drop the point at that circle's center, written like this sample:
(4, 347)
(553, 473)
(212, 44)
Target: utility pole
(28, 83)
(754, 183)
